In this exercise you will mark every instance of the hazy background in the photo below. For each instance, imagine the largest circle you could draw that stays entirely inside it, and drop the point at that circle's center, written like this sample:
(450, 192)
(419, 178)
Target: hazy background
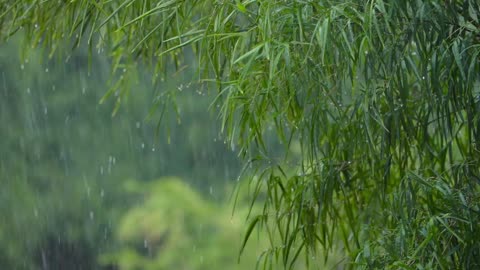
(81, 189)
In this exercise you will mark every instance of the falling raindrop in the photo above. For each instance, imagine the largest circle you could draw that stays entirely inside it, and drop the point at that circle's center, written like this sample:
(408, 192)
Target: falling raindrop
(143, 145)
(91, 215)
(28, 90)
(137, 124)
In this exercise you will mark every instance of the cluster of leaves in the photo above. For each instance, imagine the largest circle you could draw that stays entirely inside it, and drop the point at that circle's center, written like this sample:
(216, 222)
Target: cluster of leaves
(381, 96)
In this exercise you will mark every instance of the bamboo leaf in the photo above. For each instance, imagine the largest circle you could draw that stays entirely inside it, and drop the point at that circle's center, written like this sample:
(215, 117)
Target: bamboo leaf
(249, 231)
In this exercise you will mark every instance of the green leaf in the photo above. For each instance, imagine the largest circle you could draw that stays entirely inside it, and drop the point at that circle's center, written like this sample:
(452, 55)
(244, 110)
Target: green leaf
(249, 231)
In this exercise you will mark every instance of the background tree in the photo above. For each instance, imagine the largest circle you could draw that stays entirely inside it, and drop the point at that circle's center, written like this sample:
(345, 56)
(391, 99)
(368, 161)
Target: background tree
(381, 98)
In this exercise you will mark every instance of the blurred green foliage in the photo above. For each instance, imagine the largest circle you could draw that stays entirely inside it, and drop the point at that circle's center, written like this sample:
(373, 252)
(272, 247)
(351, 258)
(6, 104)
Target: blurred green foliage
(64, 158)
(175, 228)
